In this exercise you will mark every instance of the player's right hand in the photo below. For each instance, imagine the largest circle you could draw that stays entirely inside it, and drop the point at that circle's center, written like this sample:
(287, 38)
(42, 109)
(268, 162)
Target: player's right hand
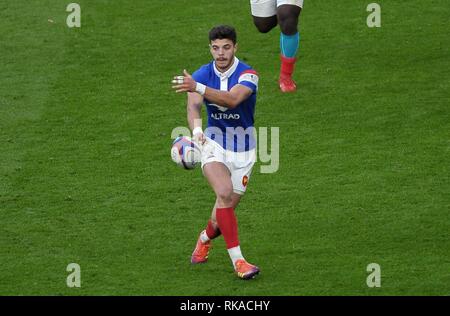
(184, 83)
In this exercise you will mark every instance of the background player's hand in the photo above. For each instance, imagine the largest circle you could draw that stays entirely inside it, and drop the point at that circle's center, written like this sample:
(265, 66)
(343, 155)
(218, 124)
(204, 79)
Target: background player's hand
(184, 83)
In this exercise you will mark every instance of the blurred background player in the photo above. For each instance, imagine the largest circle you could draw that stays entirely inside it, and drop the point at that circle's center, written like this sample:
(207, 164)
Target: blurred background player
(269, 13)
(228, 89)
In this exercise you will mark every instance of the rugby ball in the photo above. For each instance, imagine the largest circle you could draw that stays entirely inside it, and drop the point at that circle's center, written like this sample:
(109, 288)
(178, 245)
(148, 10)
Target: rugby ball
(185, 152)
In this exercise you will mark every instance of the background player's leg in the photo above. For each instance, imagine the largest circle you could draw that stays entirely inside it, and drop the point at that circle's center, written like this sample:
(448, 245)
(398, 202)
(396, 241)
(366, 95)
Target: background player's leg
(265, 24)
(288, 16)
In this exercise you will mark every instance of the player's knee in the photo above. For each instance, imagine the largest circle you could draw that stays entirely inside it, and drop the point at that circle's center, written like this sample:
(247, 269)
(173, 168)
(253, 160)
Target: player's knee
(263, 28)
(224, 196)
(264, 25)
(288, 20)
(289, 26)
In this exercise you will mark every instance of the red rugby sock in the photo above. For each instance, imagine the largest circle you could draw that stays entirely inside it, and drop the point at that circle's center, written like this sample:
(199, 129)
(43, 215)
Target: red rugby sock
(287, 66)
(227, 222)
(211, 231)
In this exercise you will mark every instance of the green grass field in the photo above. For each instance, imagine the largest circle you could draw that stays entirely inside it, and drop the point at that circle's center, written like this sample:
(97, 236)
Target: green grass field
(86, 116)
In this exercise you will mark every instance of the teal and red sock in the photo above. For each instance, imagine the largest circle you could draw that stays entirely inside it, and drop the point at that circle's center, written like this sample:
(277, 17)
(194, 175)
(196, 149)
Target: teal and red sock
(289, 45)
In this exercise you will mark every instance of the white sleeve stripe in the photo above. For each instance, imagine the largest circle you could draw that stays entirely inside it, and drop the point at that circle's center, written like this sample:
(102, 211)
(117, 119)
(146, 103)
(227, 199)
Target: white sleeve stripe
(250, 77)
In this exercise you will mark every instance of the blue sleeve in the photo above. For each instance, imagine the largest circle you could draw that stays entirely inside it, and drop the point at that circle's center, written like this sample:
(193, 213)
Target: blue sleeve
(250, 85)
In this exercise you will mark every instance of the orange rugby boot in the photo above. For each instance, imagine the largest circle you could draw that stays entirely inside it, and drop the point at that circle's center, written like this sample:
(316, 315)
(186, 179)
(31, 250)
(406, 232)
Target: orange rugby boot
(200, 254)
(245, 270)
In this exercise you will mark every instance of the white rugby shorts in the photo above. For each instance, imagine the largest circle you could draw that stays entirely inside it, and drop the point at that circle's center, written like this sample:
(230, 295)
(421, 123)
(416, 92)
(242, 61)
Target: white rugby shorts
(240, 164)
(266, 8)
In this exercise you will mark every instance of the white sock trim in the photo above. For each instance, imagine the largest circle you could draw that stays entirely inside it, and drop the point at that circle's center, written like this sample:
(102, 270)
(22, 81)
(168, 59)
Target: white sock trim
(204, 237)
(235, 254)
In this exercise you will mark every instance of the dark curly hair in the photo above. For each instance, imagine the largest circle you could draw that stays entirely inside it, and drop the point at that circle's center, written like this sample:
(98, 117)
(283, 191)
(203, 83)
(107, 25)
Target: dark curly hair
(223, 31)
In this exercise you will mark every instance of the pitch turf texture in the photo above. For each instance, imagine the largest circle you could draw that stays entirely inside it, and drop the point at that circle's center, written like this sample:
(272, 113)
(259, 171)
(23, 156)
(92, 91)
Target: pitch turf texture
(86, 116)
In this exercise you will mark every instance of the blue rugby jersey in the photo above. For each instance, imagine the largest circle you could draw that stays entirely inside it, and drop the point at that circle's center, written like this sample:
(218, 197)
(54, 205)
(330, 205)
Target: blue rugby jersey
(238, 121)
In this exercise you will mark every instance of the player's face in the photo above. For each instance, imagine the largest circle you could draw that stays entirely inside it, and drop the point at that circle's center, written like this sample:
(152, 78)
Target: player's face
(223, 51)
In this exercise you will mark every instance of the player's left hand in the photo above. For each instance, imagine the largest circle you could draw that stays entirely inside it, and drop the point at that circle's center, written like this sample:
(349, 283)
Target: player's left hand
(199, 138)
(184, 83)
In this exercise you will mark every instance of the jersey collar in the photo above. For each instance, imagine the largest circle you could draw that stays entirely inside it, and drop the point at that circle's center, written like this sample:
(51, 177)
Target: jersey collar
(229, 72)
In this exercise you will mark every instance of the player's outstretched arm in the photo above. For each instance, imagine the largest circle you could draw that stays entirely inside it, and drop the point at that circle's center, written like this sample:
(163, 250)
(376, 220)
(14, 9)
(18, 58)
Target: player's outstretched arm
(229, 99)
